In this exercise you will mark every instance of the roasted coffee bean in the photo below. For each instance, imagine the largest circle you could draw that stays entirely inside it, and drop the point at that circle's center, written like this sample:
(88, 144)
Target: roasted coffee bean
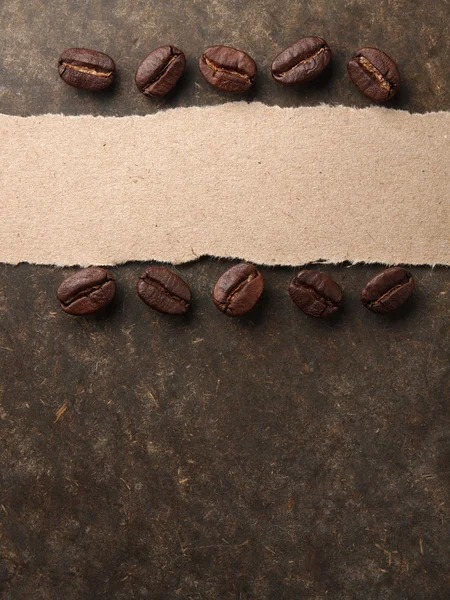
(227, 69)
(238, 289)
(316, 293)
(374, 73)
(164, 291)
(86, 291)
(304, 60)
(160, 71)
(87, 69)
(388, 290)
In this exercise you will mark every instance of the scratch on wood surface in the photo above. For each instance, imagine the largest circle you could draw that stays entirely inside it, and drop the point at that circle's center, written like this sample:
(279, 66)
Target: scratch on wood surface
(151, 396)
(61, 410)
(389, 554)
(126, 484)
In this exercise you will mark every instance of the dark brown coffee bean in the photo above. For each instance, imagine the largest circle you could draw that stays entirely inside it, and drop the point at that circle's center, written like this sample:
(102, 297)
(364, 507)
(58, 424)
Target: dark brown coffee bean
(388, 290)
(238, 289)
(374, 73)
(86, 69)
(164, 291)
(227, 69)
(160, 71)
(316, 293)
(304, 60)
(86, 291)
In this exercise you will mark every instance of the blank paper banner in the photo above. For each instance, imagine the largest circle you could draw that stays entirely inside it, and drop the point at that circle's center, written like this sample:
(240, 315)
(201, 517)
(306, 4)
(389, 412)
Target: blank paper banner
(271, 185)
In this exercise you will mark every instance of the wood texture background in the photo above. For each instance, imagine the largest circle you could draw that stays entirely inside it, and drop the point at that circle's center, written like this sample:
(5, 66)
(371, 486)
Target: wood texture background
(273, 457)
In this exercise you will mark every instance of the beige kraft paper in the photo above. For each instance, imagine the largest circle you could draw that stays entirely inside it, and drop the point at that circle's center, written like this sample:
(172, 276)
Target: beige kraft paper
(267, 184)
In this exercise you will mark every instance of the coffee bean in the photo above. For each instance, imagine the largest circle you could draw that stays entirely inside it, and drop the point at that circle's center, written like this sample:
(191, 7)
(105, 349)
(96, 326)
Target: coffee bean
(86, 291)
(160, 71)
(164, 291)
(238, 289)
(87, 69)
(374, 73)
(316, 293)
(388, 290)
(304, 60)
(227, 69)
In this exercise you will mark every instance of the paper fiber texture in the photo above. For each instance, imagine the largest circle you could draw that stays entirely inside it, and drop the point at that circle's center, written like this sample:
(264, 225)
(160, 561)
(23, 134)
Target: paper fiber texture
(267, 184)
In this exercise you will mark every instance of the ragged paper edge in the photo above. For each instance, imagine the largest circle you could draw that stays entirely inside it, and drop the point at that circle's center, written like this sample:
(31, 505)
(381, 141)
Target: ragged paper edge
(236, 103)
(230, 258)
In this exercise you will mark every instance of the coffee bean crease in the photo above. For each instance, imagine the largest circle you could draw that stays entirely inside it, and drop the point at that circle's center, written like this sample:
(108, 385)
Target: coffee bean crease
(374, 72)
(215, 67)
(385, 296)
(388, 290)
(315, 293)
(157, 284)
(312, 57)
(84, 293)
(327, 302)
(90, 70)
(164, 291)
(236, 290)
(164, 69)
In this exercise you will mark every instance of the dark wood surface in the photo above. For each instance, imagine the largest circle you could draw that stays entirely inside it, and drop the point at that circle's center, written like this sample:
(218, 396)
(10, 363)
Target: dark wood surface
(270, 457)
